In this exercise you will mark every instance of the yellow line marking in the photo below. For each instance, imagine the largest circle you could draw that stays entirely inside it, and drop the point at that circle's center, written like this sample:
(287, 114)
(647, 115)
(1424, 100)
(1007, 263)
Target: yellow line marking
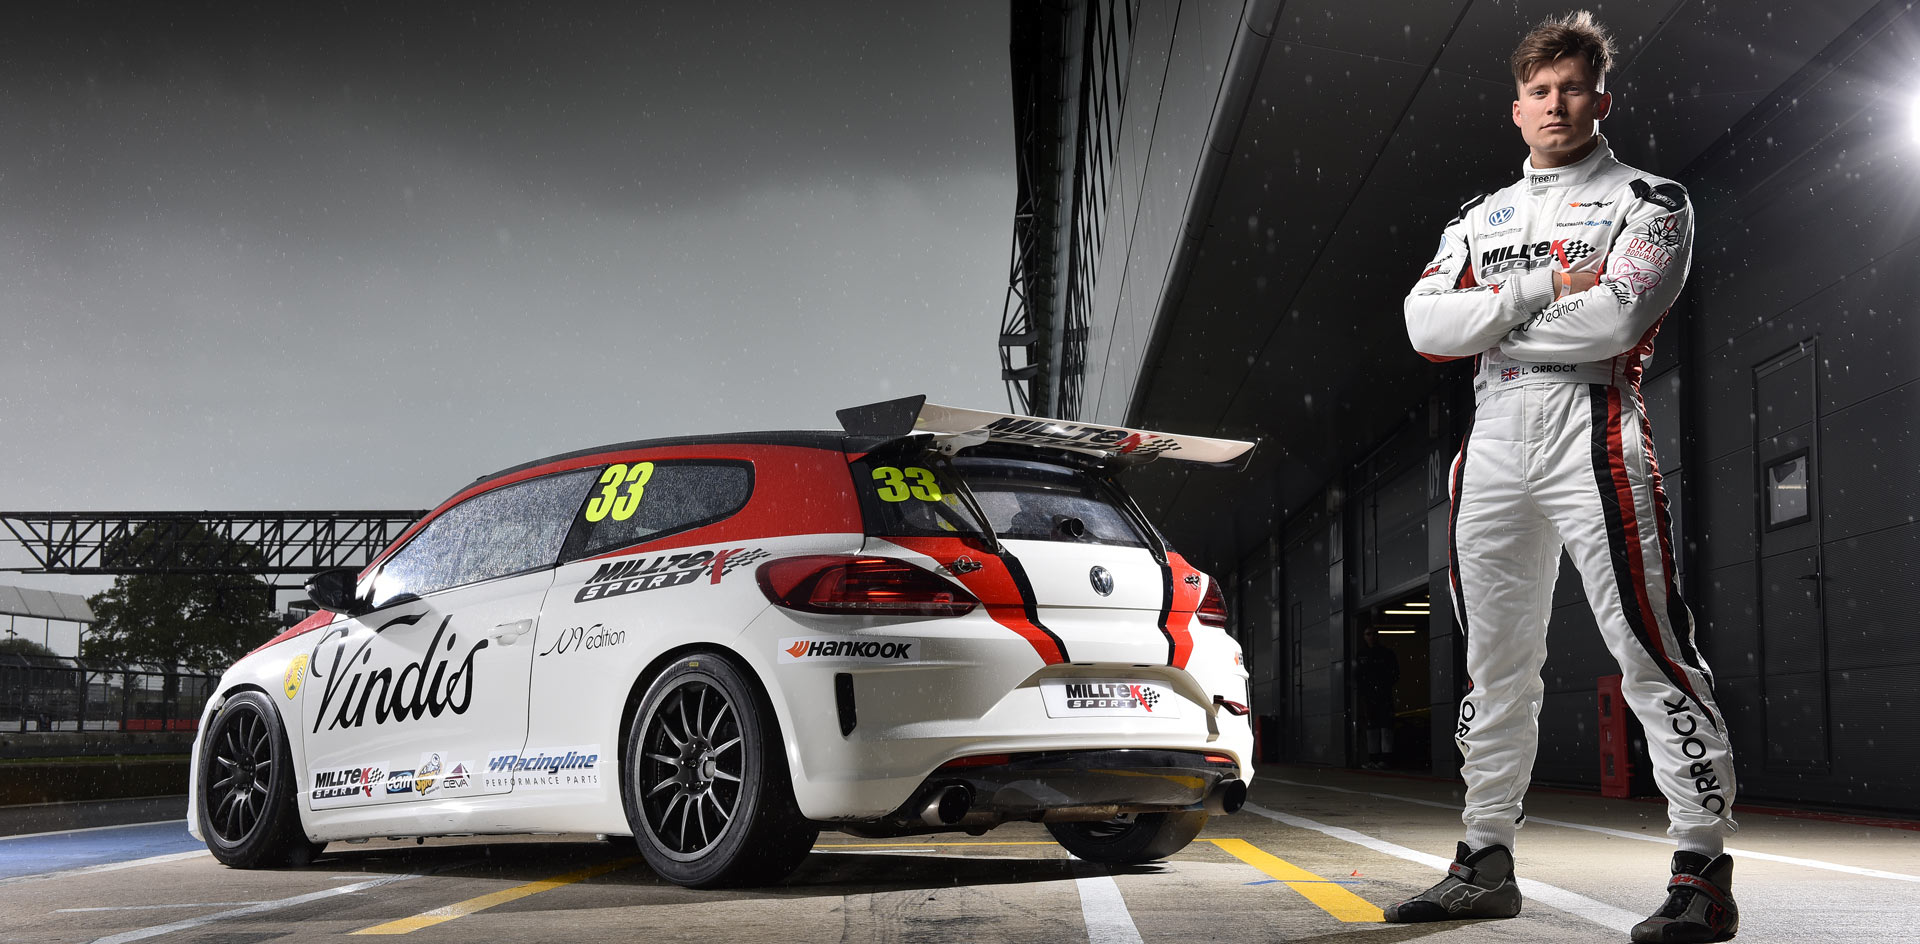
(427, 919)
(897, 845)
(1330, 896)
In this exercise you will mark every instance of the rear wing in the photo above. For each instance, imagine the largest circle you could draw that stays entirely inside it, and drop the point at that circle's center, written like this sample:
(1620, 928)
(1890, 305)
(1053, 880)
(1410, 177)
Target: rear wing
(953, 429)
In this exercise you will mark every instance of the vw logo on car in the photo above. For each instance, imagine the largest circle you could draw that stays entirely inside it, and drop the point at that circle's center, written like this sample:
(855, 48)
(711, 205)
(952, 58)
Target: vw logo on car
(1102, 580)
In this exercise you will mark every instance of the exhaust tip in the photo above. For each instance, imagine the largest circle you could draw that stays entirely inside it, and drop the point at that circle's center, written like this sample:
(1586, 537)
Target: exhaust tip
(1227, 797)
(947, 806)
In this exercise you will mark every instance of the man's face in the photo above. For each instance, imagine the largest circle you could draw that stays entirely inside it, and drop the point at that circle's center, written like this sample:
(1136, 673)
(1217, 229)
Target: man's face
(1559, 110)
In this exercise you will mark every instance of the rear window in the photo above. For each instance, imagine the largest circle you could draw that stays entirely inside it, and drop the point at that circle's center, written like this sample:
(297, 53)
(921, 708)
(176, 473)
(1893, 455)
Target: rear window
(1023, 500)
(635, 502)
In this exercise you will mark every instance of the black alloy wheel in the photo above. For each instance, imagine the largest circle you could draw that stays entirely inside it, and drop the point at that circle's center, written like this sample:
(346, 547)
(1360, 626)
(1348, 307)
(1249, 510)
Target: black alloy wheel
(1130, 838)
(705, 780)
(246, 804)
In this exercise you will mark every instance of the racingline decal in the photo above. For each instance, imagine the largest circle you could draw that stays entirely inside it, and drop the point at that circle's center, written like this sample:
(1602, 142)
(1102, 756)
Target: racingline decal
(847, 649)
(634, 574)
(564, 767)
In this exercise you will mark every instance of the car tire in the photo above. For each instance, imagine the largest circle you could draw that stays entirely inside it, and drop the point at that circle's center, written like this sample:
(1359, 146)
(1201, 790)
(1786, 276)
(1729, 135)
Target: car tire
(246, 798)
(705, 780)
(1129, 839)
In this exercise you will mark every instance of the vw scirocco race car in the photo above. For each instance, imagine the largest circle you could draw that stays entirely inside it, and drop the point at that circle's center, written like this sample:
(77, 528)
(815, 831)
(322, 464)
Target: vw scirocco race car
(937, 619)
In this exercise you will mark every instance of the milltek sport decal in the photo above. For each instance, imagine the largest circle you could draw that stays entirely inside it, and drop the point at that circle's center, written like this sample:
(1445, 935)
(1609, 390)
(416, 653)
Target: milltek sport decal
(344, 786)
(847, 649)
(1106, 698)
(634, 574)
(577, 766)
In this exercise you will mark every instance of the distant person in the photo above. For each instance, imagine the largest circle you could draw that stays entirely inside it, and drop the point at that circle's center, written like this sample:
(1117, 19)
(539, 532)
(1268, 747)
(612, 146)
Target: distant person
(1376, 670)
(1557, 285)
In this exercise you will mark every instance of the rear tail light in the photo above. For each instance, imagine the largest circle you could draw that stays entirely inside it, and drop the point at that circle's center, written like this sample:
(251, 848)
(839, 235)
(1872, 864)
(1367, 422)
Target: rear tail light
(1213, 607)
(872, 586)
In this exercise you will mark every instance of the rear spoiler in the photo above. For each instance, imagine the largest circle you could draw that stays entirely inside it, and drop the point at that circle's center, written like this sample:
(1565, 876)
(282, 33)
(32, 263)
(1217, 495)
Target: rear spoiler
(953, 429)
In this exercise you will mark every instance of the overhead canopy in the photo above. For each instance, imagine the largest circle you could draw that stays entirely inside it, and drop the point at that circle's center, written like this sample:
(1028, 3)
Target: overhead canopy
(44, 604)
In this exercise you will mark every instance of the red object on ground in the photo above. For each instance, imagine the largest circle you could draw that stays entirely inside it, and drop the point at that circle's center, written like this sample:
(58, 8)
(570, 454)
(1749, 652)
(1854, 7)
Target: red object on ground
(1616, 758)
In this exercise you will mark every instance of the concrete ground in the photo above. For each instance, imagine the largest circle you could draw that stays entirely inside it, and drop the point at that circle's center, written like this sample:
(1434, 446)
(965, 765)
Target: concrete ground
(1313, 858)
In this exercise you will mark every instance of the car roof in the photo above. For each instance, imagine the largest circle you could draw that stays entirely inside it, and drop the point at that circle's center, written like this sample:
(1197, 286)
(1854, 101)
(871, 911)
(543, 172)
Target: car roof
(804, 438)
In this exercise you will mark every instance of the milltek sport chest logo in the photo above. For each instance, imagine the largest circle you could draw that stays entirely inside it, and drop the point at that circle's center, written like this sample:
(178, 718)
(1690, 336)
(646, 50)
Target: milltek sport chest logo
(1533, 256)
(617, 578)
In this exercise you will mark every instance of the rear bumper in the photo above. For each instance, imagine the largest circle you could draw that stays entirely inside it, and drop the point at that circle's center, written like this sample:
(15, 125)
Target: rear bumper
(981, 792)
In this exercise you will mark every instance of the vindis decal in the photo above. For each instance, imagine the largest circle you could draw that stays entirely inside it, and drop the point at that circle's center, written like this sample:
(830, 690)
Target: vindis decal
(431, 686)
(634, 574)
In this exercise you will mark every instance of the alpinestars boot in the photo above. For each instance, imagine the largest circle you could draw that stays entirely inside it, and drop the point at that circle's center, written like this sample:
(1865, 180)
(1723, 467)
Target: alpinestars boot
(1479, 885)
(1699, 906)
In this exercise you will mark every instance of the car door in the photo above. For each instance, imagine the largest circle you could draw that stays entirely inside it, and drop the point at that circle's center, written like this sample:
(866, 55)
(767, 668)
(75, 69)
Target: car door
(408, 700)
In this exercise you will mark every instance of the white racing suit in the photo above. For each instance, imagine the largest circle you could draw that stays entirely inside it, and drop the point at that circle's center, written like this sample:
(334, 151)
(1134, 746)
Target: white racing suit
(1560, 455)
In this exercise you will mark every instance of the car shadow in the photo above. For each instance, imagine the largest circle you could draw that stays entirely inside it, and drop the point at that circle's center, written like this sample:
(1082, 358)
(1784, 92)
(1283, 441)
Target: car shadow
(821, 874)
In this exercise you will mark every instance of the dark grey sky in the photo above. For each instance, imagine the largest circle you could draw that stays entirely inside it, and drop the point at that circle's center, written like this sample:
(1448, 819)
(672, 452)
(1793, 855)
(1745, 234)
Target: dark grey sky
(351, 256)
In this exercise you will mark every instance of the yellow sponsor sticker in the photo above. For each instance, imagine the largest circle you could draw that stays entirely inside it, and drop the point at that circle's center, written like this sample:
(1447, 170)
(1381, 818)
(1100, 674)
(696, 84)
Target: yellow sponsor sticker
(296, 673)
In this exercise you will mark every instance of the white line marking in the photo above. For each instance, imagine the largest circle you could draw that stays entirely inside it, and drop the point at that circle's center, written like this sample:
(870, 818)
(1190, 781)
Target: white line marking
(1624, 834)
(261, 908)
(94, 829)
(105, 867)
(1105, 912)
(203, 904)
(1574, 903)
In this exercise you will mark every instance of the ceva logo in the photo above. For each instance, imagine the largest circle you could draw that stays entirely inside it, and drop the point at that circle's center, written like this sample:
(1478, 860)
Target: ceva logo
(1499, 216)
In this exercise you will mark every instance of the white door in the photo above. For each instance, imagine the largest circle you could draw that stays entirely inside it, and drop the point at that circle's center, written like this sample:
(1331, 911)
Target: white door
(408, 701)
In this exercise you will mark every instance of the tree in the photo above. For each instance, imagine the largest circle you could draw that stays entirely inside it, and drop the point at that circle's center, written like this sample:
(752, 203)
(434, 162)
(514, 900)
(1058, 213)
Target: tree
(22, 646)
(194, 605)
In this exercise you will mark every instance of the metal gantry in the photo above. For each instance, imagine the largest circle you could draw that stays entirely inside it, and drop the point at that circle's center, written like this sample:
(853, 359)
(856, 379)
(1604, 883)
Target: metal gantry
(203, 542)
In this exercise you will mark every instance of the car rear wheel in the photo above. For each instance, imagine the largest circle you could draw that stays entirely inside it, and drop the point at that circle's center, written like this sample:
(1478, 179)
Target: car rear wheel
(705, 780)
(1130, 838)
(246, 804)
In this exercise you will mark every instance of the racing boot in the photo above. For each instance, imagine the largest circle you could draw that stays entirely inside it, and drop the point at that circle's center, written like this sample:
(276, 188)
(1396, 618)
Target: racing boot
(1478, 885)
(1699, 903)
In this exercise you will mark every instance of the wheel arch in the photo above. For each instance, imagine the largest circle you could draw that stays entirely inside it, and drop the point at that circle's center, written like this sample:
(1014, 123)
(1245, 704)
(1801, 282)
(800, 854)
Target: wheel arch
(637, 692)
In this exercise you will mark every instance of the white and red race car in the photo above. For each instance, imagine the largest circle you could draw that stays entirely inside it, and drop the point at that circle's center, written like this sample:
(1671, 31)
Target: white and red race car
(937, 619)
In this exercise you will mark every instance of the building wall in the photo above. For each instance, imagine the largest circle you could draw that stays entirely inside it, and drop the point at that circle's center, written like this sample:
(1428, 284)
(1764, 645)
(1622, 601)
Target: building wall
(1165, 98)
(1806, 286)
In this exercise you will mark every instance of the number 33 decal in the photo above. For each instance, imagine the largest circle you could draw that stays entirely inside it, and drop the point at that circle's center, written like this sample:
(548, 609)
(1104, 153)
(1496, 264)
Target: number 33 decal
(610, 503)
(895, 485)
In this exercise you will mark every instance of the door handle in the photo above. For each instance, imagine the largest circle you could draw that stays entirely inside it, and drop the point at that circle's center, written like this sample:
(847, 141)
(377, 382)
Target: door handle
(1816, 575)
(507, 634)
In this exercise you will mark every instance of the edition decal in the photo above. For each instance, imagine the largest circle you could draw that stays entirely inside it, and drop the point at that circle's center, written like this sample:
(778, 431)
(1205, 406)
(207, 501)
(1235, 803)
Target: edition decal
(350, 684)
(632, 575)
(577, 638)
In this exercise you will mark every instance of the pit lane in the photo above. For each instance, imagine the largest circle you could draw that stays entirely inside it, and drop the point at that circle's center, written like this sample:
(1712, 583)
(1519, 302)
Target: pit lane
(1313, 858)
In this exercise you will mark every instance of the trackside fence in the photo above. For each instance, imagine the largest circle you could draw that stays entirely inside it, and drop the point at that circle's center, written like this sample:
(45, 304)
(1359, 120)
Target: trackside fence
(53, 694)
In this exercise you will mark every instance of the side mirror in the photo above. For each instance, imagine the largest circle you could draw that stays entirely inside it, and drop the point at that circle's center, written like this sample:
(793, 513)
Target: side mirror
(334, 590)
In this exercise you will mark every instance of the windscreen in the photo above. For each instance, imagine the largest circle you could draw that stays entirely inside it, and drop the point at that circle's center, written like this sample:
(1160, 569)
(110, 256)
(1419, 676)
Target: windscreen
(1023, 500)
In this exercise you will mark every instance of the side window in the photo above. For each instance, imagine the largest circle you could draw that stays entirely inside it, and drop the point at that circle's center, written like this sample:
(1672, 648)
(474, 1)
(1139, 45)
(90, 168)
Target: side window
(508, 530)
(631, 502)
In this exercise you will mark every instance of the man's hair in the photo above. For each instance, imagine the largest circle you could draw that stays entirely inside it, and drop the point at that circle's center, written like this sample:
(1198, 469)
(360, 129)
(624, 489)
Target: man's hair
(1576, 34)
